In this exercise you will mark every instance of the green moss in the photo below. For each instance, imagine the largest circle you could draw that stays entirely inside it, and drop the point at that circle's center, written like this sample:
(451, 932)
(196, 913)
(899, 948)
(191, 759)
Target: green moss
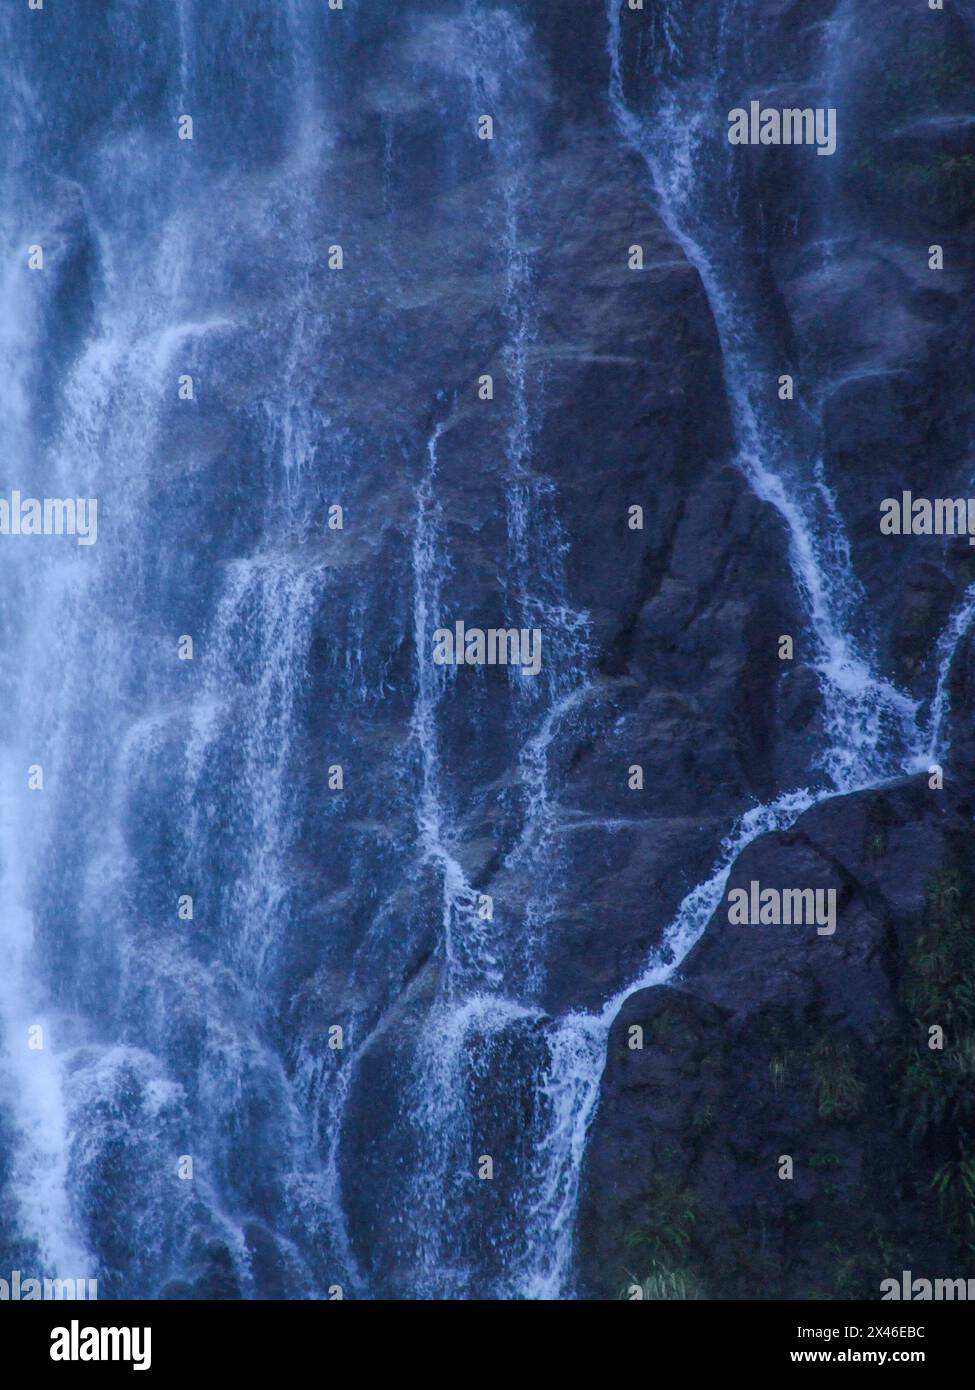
(671, 1028)
(824, 1161)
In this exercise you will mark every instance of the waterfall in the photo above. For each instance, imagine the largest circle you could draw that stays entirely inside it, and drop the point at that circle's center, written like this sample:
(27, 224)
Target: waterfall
(873, 730)
(158, 1042)
(193, 905)
(955, 633)
(871, 726)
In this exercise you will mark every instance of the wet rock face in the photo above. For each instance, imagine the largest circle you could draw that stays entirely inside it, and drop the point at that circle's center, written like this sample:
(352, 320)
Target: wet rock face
(773, 1042)
(613, 360)
(620, 377)
(615, 390)
(880, 342)
(627, 406)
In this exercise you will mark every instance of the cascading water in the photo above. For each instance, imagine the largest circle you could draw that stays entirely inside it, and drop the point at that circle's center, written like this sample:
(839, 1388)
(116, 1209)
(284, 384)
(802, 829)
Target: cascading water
(152, 777)
(169, 1036)
(871, 726)
(873, 729)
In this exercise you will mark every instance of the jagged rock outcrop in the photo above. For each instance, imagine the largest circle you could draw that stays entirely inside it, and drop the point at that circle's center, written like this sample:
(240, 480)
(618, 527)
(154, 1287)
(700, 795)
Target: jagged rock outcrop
(776, 1041)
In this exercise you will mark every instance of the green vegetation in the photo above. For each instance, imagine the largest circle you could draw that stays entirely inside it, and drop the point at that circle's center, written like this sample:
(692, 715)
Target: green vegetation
(673, 1213)
(662, 1247)
(937, 1087)
(839, 1094)
(665, 1283)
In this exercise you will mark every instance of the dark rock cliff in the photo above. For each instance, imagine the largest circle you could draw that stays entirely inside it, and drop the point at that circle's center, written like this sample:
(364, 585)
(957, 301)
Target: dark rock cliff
(656, 387)
(777, 1041)
(772, 1040)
